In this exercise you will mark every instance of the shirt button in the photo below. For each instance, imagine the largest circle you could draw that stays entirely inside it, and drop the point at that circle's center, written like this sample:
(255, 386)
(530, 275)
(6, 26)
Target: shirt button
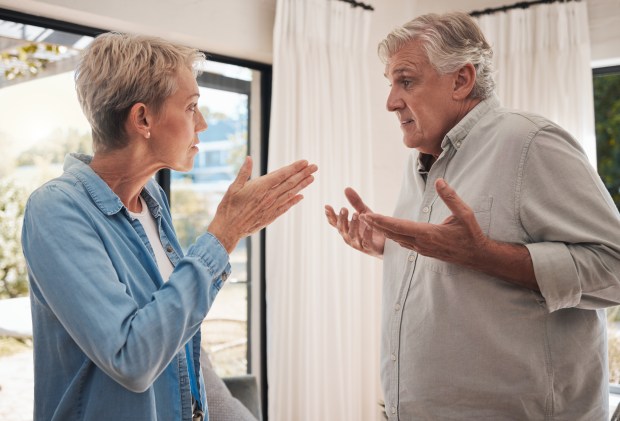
(397, 307)
(425, 209)
(169, 249)
(411, 257)
(393, 409)
(393, 357)
(224, 277)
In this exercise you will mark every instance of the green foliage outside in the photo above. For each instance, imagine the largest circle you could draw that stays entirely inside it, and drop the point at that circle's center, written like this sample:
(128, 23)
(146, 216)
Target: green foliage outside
(13, 274)
(55, 146)
(43, 158)
(191, 215)
(607, 117)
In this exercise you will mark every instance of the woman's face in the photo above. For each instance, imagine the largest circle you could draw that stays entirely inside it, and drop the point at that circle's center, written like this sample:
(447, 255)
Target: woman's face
(174, 131)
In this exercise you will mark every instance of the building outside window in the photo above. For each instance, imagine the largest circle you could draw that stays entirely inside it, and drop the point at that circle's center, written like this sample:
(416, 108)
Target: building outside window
(194, 199)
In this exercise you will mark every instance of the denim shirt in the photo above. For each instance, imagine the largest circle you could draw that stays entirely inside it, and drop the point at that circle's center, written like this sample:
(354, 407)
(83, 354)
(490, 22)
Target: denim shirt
(109, 333)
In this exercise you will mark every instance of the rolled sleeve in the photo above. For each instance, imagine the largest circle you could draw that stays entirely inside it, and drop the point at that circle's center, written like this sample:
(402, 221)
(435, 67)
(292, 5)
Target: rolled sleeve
(213, 255)
(556, 275)
(572, 227)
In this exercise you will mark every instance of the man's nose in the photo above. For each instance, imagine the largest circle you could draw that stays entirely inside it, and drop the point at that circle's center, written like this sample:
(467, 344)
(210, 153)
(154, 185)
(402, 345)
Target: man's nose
(394, 101)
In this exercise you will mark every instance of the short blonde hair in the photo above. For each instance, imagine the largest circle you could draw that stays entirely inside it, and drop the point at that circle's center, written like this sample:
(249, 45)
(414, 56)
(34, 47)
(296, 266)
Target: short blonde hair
(117, 71)
(451, 40)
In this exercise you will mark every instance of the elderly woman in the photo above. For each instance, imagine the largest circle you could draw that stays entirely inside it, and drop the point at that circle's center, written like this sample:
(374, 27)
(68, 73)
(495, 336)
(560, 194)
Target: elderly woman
(116, 304)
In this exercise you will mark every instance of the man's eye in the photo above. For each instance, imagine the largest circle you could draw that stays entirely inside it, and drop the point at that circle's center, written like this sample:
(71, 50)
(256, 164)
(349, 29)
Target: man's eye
(406, 83)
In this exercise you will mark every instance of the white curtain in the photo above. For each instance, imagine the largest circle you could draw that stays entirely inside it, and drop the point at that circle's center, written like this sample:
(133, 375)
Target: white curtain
(323, 298)
(542, 60)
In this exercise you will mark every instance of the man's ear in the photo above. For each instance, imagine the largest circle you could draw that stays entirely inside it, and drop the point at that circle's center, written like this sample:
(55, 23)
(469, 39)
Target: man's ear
(138, 120)
(464, 82)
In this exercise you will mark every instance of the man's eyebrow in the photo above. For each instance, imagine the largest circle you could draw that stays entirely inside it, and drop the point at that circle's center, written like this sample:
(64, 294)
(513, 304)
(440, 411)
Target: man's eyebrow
(196, 94)
(399, 71)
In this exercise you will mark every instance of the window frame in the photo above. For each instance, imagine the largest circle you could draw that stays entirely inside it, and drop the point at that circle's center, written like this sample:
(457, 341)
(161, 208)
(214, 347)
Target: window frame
(602, 71)
(606, 70)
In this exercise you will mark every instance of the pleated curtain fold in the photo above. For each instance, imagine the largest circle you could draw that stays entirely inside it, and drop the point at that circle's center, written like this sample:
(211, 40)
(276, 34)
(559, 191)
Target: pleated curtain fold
(322, 296)
(543, 64)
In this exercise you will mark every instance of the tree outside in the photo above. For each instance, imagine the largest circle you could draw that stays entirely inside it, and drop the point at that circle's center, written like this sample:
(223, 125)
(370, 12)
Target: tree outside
(29, 169)
(13, 273)
(607, 117)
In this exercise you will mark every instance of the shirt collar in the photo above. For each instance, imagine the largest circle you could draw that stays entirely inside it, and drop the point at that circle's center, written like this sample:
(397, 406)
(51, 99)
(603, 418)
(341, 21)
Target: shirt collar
(457, 135)
(102, 195)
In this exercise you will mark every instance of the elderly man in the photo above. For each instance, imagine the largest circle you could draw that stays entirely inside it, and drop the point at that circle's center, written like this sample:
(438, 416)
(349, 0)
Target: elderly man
(493, 297)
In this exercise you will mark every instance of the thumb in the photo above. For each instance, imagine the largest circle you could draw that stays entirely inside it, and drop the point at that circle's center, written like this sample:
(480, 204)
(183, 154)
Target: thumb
(356, 201)
(244, 174)
(450, 198)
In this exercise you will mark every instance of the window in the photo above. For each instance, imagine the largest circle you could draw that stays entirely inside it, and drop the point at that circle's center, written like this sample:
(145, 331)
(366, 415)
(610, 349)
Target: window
(606, 84)
(607, 119)
(42, 121)
(225, 92)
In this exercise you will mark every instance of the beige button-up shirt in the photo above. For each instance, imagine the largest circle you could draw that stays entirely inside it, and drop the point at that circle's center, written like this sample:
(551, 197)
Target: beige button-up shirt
(461, 345)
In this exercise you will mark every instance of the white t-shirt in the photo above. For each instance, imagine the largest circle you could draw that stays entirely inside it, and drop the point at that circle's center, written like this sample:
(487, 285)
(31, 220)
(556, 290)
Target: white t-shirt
(150, 227)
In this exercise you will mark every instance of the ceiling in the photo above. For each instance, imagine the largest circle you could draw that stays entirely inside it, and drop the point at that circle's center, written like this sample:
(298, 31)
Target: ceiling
(28, 51)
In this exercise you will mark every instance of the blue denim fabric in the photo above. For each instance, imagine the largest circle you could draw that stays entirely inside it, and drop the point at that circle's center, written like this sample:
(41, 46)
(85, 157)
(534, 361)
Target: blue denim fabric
(109, 333)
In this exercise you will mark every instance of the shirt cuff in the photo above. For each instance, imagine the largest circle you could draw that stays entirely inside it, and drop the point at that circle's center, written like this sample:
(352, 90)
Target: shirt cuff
(556, 275)
(213, 255)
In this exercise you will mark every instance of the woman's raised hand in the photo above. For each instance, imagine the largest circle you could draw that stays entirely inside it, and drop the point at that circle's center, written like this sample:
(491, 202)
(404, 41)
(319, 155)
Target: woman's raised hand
(250, 205)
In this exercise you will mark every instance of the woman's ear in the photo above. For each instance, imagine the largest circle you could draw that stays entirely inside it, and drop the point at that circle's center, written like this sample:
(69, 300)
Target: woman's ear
(464, 82)
(138, 120)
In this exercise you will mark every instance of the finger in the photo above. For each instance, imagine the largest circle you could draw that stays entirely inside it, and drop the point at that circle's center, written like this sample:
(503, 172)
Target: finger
(244, 174)
(355, 200)
(367, 237)
(451, 199)
(286, 206)
(280, 175)
(277, 212)
(295, 183)
(331, 215)
(354, 227)
(343, 223)
(403, 240)
(275, 198)
(391, 226)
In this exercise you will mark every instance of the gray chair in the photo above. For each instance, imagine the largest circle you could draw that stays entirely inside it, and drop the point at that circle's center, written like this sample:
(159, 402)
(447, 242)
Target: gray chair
(245, 389)
(230, 399)
(616, 414)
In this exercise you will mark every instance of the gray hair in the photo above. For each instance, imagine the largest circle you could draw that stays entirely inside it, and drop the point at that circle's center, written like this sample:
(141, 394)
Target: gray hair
(451, 40)
(117, 71)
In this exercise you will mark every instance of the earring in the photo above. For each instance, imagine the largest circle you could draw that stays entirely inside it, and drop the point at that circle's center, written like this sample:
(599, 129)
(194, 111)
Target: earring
(148, 135)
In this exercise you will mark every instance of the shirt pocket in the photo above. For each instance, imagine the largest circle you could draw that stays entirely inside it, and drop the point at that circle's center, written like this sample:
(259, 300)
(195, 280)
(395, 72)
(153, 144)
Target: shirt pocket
(482, 211)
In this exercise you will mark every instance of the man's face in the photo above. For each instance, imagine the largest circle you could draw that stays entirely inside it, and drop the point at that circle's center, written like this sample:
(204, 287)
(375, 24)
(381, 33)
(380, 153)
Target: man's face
(421, 98)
